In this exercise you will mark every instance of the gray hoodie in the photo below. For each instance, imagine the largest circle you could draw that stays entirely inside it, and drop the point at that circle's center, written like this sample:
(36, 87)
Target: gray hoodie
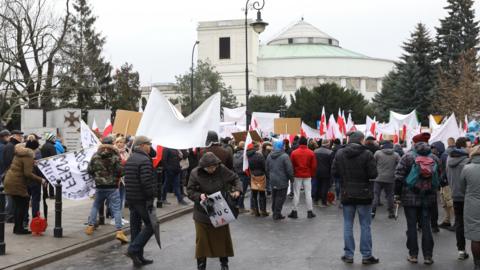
(279, 168)
(455, 162)
(387, 160)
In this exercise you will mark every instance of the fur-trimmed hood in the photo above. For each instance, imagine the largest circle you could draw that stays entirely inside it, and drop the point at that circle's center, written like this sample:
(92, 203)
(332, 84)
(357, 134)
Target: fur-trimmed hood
(22, 151)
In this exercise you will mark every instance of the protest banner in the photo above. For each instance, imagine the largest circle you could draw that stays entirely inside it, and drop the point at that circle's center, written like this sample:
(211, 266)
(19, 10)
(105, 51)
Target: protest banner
(242, 136)
(71, 169)
(221, 214)
(289, 126)
(89, 139)
(126, 122)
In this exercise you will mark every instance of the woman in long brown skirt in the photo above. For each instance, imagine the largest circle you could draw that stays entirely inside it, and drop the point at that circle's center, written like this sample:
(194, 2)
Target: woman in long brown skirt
(210, 177)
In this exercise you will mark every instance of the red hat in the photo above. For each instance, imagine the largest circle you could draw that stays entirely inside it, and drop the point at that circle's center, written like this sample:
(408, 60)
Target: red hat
(423, 137)
(250, 146)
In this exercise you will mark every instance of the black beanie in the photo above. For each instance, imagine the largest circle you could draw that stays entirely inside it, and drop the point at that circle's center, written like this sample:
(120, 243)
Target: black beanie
(303, 141)
(33, 144)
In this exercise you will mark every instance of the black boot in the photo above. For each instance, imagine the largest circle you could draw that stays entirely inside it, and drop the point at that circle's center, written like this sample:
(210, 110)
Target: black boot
(477, 264)
(201, 263)
(135, 259)
(310, 214)
(224, 263)
(145, 261)
(293, 214)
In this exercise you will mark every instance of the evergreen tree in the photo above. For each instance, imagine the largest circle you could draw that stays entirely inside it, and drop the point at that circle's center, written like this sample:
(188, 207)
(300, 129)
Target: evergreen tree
(457, 33)
(411, 86)
(308, 104)
(126, 92)
(207, 81)
(86, 82)
(271, 104)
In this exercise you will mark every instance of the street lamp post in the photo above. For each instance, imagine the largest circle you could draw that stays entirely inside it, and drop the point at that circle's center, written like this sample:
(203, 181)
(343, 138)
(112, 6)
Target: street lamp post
(191, 78)
(258, 26)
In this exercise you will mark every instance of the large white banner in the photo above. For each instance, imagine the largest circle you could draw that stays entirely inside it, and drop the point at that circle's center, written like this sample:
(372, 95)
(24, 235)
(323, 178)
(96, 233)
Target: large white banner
(89, 139)
(264, 122)
(71, 169)
(449, 129)
(237, 115)
(166, 128)
(310, 132)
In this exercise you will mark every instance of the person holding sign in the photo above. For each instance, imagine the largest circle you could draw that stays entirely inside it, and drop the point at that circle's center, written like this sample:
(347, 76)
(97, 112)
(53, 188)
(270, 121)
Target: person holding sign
(210, 177)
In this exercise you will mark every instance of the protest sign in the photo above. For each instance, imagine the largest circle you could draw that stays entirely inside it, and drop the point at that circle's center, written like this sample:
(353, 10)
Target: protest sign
(222, 214)
(242, 136)
(126, 122)
(71, 169)
(89, 139)
(289, 126)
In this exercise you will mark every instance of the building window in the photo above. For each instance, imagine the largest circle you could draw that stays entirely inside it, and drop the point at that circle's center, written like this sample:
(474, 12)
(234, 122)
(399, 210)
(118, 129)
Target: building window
(310, 40)
(290, 41)
(270, 85)
(372, 85)
(224, 43)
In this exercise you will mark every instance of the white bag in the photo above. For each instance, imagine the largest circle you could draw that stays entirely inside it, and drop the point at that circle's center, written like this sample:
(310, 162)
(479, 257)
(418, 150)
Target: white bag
(223, 214)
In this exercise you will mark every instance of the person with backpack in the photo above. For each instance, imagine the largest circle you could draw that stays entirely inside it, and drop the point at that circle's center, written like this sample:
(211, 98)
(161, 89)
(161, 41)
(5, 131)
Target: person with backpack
(355, 165)
(416, 182)
(456, 161)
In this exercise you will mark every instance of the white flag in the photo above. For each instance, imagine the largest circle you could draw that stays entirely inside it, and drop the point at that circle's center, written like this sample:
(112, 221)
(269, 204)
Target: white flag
(245, 158)
(71, 169)
(88, 137)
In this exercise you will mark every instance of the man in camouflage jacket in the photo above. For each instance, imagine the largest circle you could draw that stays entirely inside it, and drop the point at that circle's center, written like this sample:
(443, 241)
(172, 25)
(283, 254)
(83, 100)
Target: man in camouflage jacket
(106, 169)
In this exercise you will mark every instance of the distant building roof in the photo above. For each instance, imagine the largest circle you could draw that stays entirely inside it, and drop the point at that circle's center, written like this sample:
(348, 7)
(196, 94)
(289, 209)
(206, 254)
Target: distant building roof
(306, 51)
(303, 33)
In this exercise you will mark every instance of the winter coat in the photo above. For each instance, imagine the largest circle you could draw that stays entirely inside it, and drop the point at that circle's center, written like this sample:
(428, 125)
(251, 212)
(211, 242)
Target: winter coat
(2, 150)
(470, 186)
(9, 153)
(48, 150)
(139, 177)
(201, 182)
(324, 158)
(355, 166)
(372, 147)
(279, 169)
(256, 163)
(455, 163)
(221, 152)
(304, 162)
(59, 147)
(171, 160)
(21, 173)
(410, 197)
(238, 162)
(387, 160)
(106, 167)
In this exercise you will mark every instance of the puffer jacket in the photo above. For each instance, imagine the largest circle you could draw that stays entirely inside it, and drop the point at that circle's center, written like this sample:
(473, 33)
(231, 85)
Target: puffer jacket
(139, 177)
(238, 162)
(21, 173)
(456, 160)
(201, 182)
(387, 160)
(256, 163)
(171, 160)
(106, 167)
(355, 166)
(279, 169)
(409, 197)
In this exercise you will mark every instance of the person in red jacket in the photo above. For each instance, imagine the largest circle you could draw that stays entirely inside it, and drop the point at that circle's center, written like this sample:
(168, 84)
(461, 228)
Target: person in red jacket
(304, 167)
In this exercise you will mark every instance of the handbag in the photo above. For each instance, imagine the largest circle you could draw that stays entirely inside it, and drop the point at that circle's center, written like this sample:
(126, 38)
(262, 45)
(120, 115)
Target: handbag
(258, 182)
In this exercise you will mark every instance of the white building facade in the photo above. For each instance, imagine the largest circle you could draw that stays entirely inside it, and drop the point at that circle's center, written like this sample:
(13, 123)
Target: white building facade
(300, 56)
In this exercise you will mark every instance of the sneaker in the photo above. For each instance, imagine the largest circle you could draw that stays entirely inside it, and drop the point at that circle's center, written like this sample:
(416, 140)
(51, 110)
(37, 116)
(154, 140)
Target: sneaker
(310, 214)
(120, 236)
(370, 260)
(445, 225)
(373, 215)
(346, 259)
(183, 202)
(462, 255)
(428, 261)
(412, 259)
(391, 216)
(89, 230)
(293, 214)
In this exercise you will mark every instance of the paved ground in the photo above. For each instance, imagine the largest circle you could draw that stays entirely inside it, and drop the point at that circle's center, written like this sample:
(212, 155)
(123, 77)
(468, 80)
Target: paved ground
(261, 243)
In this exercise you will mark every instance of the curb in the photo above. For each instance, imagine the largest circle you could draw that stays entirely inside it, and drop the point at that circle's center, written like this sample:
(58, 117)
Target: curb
(85, 245)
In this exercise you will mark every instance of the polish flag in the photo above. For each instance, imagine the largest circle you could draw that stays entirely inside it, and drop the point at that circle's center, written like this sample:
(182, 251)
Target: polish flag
(350, 124)
(333, 131)
(465, 124)
(95, 126)
(404, 132)
(323, 123)
(341, 123)
(253, 124)
(156, 160)
(108, 128)
(248, 141)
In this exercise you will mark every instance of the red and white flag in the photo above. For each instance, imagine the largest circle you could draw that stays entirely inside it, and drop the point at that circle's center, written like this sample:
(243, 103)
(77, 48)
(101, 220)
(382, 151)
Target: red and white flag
(323, 123)
(95, 126)
(253, 124)
(465, 124)
(248, 141)
(333, 131)
(342, 126)
(350, 124)
(156, 160)
(108, 128)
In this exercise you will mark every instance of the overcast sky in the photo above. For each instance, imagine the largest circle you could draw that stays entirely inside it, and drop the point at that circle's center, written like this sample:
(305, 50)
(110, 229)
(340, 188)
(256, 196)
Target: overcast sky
(157, 36)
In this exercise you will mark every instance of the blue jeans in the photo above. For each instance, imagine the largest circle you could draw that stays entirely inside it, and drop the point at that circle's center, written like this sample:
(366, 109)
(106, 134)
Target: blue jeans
(121, 189)
(113, 199)
(139, 235)
(365, 217)
(172, 178)
(245, 182)
(35, 191)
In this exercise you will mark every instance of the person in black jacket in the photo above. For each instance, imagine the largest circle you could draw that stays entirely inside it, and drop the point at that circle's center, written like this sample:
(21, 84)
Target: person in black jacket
(8, 154)
(171, 167)
(49, 150)
(324, 178)
(355, 165)
(139, 189)
(258, 181)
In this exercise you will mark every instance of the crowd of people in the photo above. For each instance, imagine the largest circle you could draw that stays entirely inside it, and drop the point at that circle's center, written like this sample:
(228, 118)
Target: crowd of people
(351, 174)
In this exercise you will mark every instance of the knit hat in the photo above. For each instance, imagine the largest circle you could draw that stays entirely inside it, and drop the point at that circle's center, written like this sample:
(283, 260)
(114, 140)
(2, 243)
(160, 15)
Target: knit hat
(50, 137)
(356, 137)
(423, 137)
(139, 140)
(278, 145)
(32, 144)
